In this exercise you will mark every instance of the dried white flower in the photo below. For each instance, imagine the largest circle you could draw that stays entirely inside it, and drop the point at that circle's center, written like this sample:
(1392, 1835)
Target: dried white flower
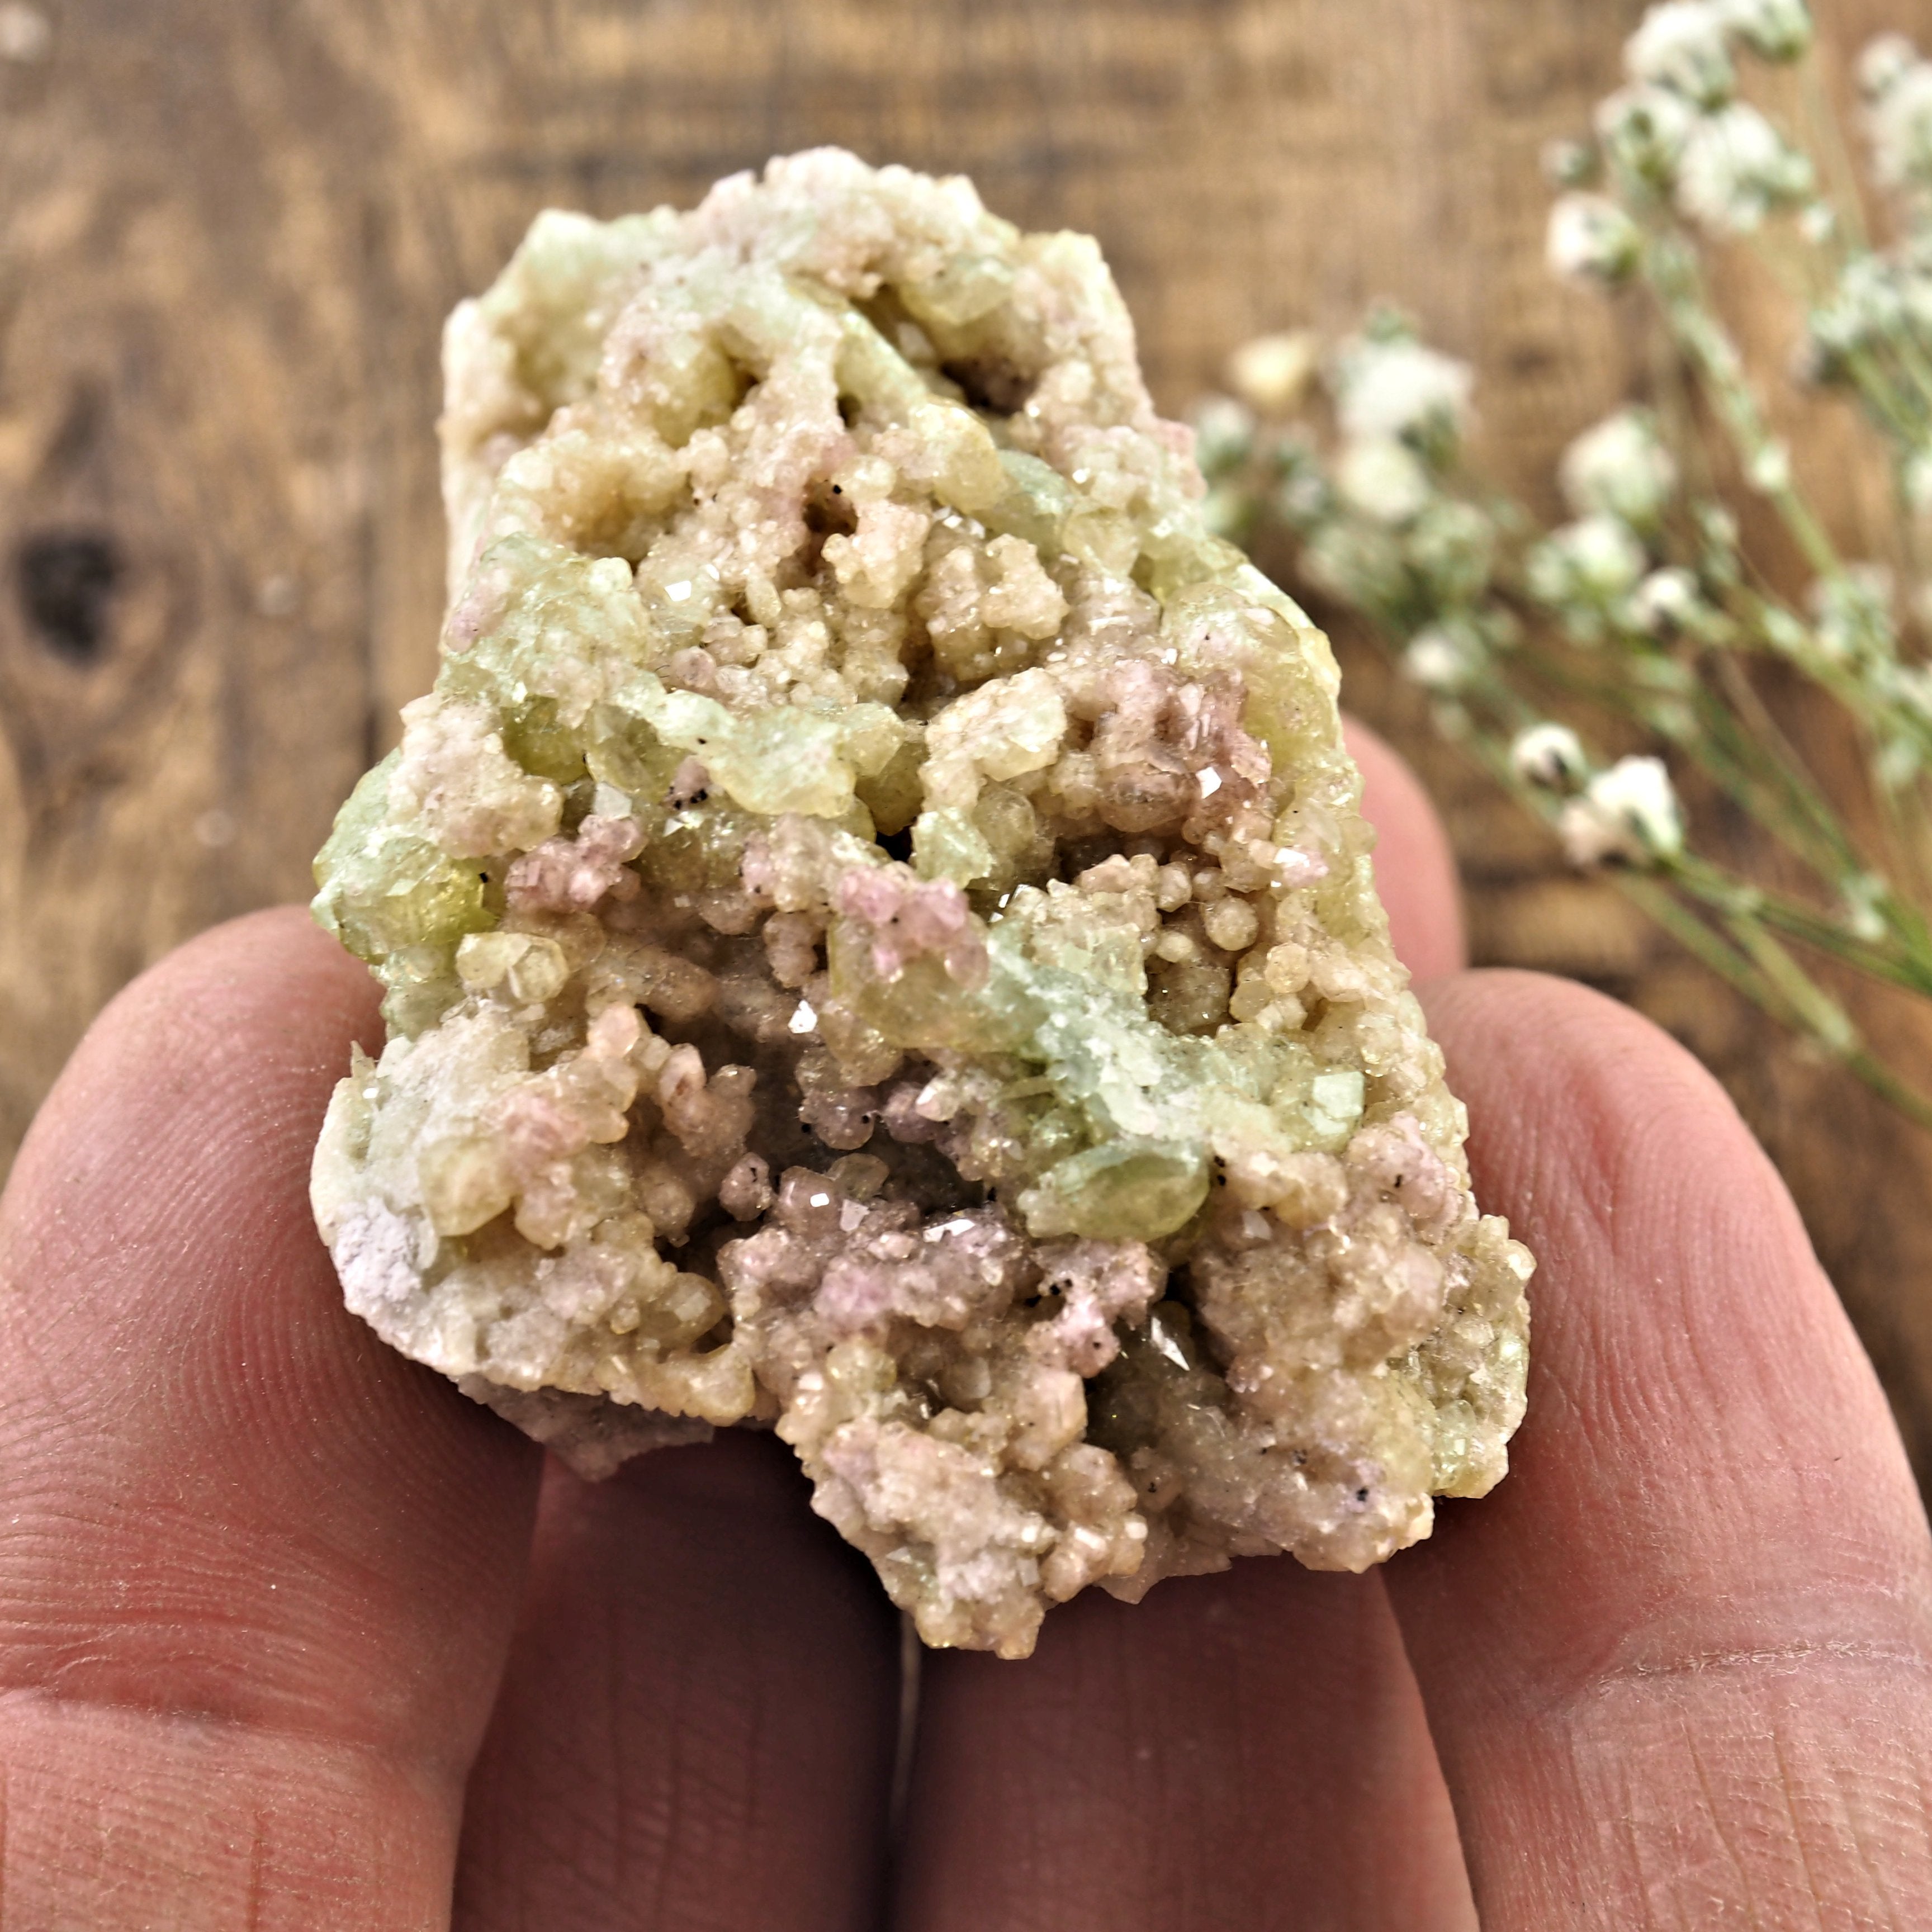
(1400, 388)
(1681, 45)
(1451, 548)
(1271, 373)
(1777, 30)
(1664, 603)
(1769, 470)
(1548, 754)
(1439, 660)
(1224, 434)
(1915, 482)
(1853, 610)
(1883, 61)
(1865, 893)
(1876, 297)
(1643, 130)
(1629, 812)
(1898, 118)
(1382, 479)
(1736, 169)
(1590, 235)
(1619, 469)
(1593, 562)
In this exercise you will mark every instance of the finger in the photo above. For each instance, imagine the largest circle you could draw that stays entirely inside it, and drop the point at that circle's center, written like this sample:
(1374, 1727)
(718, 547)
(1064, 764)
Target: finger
(1415, 869)
(696, 1729)
(258, 1572)
(1267, 1719)
(1679, 1665)
(1242, 1749)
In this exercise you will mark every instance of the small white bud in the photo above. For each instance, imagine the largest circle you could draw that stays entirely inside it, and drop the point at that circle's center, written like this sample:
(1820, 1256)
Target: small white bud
(1898, 121)
(1566, 163)
(1382, 479)
(1775, 30)
(1769, 469)
(1438, 661)
(1620, 468)
(1590, 235)
(1818, 222)
(1224, 434)
(1629, 812)
(1853, 613)
(1681, 45)
(1914, 685)
(1884, 61)
(1594, 561)
(1736, 169)
(1549, 754)
(1863, 892)
(1400, 388)
(1915, 482)
(1664, 603)
(1271, 373)
(1644, 131)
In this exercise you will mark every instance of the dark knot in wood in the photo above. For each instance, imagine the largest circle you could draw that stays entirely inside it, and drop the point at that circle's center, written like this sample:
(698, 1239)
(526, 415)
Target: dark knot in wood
(66, 581)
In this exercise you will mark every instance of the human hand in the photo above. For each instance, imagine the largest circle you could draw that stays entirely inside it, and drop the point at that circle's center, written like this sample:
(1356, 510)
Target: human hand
(293, 1636)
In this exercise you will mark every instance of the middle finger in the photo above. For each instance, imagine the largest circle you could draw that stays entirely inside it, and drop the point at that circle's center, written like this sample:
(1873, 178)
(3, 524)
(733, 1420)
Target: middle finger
(1248, 1749)
(696, 1725)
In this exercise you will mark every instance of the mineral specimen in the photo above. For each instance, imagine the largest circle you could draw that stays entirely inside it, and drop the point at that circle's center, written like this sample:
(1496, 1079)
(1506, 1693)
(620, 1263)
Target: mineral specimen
(879, 939)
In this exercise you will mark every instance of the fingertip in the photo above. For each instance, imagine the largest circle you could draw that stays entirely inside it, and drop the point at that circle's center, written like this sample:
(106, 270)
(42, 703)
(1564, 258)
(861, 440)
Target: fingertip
(1415, 866)
(264, 1007)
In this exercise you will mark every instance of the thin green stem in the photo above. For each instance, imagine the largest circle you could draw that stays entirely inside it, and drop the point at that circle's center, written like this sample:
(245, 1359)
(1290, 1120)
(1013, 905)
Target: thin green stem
(1672, 270)
(1728, 896)
(1825, 139)
(1841, 1039)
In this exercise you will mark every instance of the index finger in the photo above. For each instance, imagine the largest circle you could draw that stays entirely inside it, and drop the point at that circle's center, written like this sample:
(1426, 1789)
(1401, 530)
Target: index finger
(257, 1574)
(1679, 1667)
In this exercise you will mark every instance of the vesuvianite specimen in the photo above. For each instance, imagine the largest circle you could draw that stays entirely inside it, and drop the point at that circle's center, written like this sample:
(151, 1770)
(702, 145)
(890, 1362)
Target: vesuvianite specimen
(879, 937)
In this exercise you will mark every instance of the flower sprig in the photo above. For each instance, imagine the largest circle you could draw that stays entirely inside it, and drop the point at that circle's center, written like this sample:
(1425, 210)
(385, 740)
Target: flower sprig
(1643, 617)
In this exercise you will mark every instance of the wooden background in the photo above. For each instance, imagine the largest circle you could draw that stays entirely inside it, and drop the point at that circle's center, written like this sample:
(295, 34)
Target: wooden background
(229, 230)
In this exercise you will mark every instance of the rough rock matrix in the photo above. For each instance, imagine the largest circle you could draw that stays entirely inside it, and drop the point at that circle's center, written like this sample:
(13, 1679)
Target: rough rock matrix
(879, 938)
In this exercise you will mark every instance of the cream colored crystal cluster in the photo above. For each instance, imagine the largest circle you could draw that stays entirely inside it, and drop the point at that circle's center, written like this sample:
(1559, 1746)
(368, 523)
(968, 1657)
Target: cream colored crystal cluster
(879, 938)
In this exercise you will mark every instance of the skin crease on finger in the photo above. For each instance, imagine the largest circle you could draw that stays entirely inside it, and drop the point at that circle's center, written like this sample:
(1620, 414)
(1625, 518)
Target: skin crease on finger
(696, 1728)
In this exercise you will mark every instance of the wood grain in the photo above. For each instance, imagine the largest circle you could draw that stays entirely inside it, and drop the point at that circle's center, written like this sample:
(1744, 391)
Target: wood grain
(230, 230)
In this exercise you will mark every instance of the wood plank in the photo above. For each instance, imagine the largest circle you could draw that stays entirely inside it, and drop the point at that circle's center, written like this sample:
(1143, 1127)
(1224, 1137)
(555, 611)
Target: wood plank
(230, 230)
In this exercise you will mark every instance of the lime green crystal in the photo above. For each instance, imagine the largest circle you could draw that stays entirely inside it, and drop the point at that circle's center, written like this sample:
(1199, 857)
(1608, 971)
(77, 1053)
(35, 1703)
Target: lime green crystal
(878, 935)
